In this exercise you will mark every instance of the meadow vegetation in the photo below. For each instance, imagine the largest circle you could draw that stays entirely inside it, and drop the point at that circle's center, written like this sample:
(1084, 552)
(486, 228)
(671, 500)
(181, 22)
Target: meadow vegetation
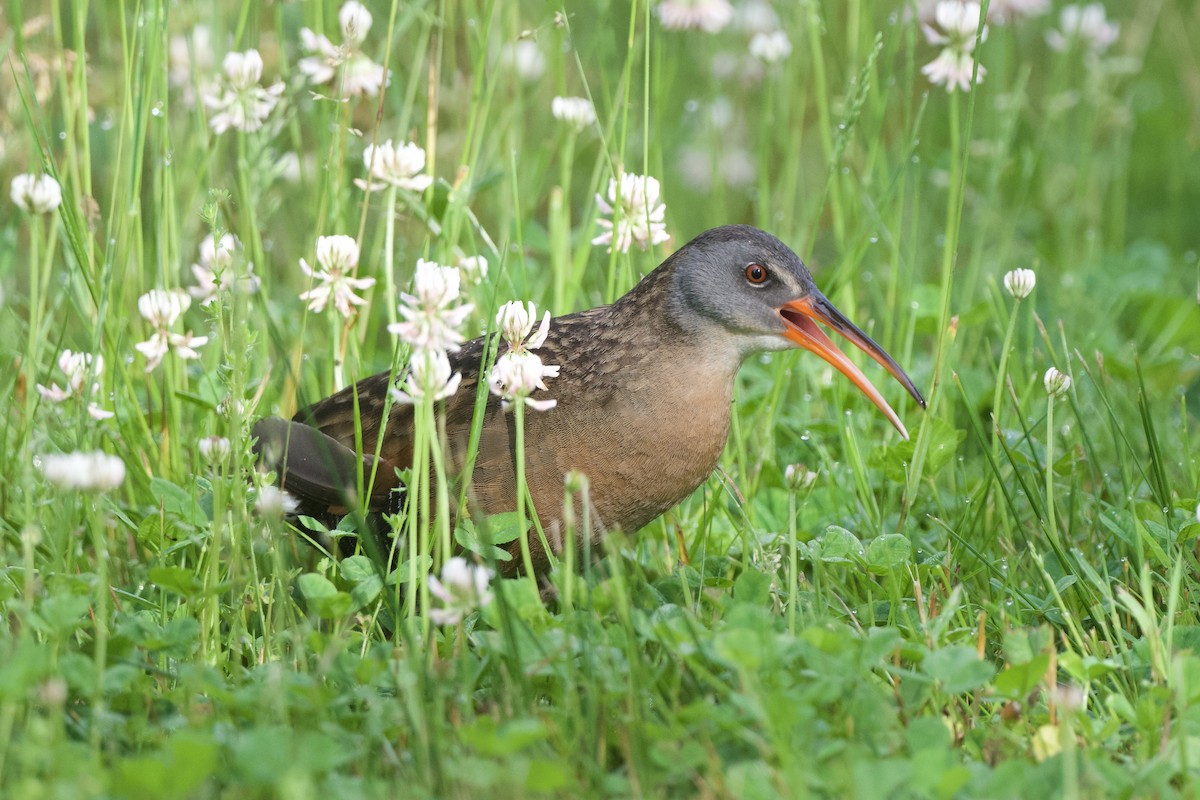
(1002, 606)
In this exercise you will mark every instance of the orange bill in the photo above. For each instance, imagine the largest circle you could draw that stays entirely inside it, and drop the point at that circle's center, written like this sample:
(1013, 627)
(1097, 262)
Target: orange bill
(799, 315)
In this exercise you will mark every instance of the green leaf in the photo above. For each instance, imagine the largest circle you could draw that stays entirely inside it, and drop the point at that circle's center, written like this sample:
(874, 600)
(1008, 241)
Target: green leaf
(323, 597)
(837, 545)
(889, 551)
(894, 459)
(493, 739)
(175, 771)
(958, 668)
(1019, 680)
(357, 569)
(313, 524)
(752, 587)
(365, 591)
(177, 501)
(545, 775)
(401, 574)
(177, 580)
(470, 538)
(63, 613)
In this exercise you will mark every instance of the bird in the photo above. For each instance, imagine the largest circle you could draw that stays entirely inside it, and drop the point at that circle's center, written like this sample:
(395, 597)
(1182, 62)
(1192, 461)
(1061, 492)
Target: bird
(644, 397)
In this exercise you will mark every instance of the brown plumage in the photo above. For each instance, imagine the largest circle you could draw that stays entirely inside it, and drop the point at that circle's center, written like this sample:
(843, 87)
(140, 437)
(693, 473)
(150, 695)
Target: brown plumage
(644, 393)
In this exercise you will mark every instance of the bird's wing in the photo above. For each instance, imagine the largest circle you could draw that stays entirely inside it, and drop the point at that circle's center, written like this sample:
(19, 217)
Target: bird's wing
(360, 409)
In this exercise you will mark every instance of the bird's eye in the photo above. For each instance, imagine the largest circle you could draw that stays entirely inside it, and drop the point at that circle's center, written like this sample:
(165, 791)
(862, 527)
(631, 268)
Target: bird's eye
(756, 274)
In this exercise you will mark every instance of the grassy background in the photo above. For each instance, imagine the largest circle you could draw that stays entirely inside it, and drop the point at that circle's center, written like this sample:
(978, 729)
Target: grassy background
(917, 624)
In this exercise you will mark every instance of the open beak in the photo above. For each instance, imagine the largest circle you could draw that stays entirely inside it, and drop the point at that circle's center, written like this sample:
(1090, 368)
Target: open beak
(798, 316)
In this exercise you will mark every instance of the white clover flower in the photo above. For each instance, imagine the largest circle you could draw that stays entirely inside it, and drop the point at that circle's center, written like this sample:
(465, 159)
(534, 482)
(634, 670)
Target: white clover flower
(189, 54)
(1198, 513)
(958, 23)
(463, 588)
(709, 16)
(399, 165)
(1020, 282)
(797, 477)
(355, 21)
(637, 213)
(525, 58)
(1057, 383)
(87, 472)
(578, 112)
(79, 369)
(431, 320)
(237, 100)
(473, 269)
(162, 309)
(337, 256)
(771, 48)
(1086, 24)
(516, 375)
(515, 322)
(216, 273)
(755, 16)
(274, 502)
(36, 194)
(429, 374)
(214, 449)
(359, 75)
(1004, 11)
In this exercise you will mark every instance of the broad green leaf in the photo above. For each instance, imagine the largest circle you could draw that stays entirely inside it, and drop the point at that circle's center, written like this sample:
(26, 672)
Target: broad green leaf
(958, 668)
(889, 551)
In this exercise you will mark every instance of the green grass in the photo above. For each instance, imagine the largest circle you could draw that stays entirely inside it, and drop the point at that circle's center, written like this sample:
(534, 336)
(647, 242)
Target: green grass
(1004, 606)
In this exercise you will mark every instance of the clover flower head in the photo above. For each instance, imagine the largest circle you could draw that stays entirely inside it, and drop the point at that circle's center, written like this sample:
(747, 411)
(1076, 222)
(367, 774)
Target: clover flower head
(473, 269)
(755, 16)
(957, 27)
(214, 449)
(1086, 24)
(216, 271)
(401, 165)
(515, 322)
(36, 194)
(337, 257)
(798, 476)
(80, 368)
(87, 472)
(1057, 383)
(274, 502)
(462, 589)
(162, 309)
(709, 16)
(236, 99)
(1005, 11)
(1020, 282)
(188, 53)
(525, 58)
(516, 375)
(355, 21)
(431, 318)
(359, 75)
(429, 375)
(771, 47)
(578, 112)
(637, 214)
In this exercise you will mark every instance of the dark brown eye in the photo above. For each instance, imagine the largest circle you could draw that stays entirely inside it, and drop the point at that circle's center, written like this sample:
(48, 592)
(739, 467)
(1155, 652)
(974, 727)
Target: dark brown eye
(756, 274)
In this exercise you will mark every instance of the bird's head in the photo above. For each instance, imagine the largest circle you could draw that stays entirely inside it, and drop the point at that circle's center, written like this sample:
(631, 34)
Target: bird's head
(746, 283)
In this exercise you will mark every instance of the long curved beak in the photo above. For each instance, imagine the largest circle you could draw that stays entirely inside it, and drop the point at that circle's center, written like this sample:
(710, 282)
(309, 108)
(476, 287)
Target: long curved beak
(798, 316)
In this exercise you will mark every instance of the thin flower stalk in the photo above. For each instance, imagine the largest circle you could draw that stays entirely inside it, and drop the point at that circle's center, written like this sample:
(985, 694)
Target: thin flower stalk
(1019, 283)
